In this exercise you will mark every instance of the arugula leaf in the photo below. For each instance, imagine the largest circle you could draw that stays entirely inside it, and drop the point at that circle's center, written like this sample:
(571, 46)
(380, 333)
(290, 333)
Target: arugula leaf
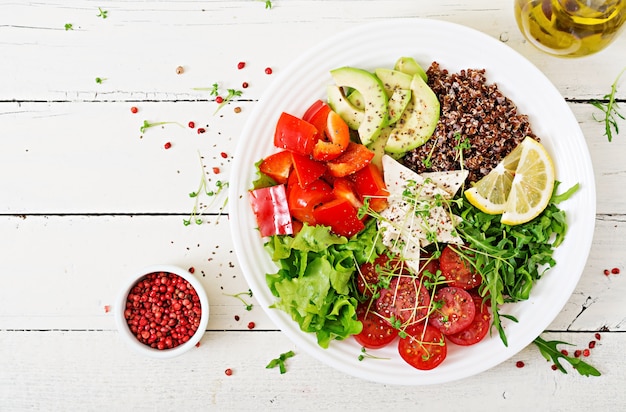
(511, 258)
(549, 351)
(610, 109)
(280, 361)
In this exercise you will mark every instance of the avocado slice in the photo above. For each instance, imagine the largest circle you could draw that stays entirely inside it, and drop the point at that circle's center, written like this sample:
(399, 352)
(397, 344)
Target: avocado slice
(374, 99)
(352, 115)
(409, 66)
(418, 121)
(398, 87)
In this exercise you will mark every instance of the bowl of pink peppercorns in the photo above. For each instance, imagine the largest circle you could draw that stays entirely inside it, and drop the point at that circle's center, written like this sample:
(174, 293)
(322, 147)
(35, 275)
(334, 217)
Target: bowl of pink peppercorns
(162, 311)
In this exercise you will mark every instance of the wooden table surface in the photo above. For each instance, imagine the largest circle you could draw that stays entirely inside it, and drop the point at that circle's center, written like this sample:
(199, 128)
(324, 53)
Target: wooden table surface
(86, 199)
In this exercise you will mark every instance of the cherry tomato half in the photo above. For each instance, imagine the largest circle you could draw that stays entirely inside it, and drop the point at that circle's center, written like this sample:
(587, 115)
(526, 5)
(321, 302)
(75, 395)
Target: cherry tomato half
(457, 270)
(424, 347)
(478, 329)
(405, 300)
(377, 332)
(455, 310)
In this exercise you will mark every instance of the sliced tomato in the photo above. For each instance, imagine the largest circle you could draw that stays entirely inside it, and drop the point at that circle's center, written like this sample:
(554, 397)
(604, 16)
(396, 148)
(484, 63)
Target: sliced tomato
(368, 182)
(271, 210)
(317, 114)
(457, 270)
(340, 216)
(428, 264)
(377, 332)
(306, 169)
(424, 347)
(303, 200)
(295, 134)
(356, 157)
(405, 300)
(335, 139)
(277, 166)
(367, 276)
(478, 329)
(455, 310)
(344, 189)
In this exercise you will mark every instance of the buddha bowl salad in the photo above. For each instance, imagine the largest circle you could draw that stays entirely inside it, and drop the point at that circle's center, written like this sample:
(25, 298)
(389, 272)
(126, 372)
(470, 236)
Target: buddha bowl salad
(405, 209)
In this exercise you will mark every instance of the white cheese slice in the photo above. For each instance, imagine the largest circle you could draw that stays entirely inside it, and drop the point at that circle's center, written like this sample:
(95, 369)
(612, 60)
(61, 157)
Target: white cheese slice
(414, 219)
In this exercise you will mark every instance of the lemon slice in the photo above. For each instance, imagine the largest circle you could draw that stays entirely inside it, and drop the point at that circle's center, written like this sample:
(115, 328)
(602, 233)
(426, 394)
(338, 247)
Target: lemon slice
(532, 185)
(490, 193)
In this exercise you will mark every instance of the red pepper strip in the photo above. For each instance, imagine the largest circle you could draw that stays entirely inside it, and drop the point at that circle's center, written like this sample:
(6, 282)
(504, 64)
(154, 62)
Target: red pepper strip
(271, 210)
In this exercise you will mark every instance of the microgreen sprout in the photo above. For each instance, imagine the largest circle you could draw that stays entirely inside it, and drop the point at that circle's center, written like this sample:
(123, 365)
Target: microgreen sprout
(365, 355)
(280, 361)
(214, 90)
(231, 93)
(610, 110)
(146, 125)
(69, 26)
(249, 306)
(203, 187)
(102, 13)
(268, 3)
(99, 80)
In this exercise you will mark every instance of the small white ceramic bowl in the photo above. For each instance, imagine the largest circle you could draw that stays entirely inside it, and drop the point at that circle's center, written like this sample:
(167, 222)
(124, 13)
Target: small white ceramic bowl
(132, 340)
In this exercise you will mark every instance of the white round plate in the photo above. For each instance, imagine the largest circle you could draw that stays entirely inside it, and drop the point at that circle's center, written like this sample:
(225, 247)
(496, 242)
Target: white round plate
(455, 47)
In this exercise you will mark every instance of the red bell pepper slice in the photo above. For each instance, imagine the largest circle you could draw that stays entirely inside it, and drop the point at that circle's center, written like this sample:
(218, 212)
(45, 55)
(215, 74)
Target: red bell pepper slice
(335, 139)
(302, 201)
(277, 166)
(344, 189)
(295, 134)
(356, 157)
(340, 216)
(368, 182)
(306, 169)
(317, 114)
(271, 210)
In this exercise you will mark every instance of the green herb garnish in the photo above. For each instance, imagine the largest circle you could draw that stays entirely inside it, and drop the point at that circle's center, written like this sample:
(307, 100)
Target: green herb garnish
(238, 296)
(280, 361)
(147, 125)
(69, 26)
(549, 351)
(610, 110)
(195, 215)
(99, 80)
(102, 13)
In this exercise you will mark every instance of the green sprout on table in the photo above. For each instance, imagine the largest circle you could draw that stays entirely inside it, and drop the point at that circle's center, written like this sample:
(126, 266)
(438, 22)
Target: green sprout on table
(100, 80)
(610, 109)
(280, 361)
(146, 125)
(203, 187)
(268, 3)
(69, 26)
(102, 13)
(214, 90)
(249, 306)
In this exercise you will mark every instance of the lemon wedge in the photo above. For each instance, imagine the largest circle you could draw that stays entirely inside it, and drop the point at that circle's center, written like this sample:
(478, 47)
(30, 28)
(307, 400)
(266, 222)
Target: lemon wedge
(519, 187)
(532, 185)
(490, 193)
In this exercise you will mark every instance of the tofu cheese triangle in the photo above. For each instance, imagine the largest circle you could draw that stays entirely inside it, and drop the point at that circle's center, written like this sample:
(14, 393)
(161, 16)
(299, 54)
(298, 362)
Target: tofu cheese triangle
(417, 214)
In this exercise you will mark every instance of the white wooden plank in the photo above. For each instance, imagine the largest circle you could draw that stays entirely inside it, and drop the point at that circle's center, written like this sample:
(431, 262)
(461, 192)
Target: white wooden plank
(139, 45)
(57, 371)
(79, 264)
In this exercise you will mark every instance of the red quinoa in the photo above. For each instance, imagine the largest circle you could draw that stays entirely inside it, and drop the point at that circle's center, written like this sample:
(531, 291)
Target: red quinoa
(474, 110)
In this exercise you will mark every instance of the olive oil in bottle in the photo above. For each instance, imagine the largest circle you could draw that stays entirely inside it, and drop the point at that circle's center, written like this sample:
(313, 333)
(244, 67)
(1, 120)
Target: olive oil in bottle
(570, 28)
